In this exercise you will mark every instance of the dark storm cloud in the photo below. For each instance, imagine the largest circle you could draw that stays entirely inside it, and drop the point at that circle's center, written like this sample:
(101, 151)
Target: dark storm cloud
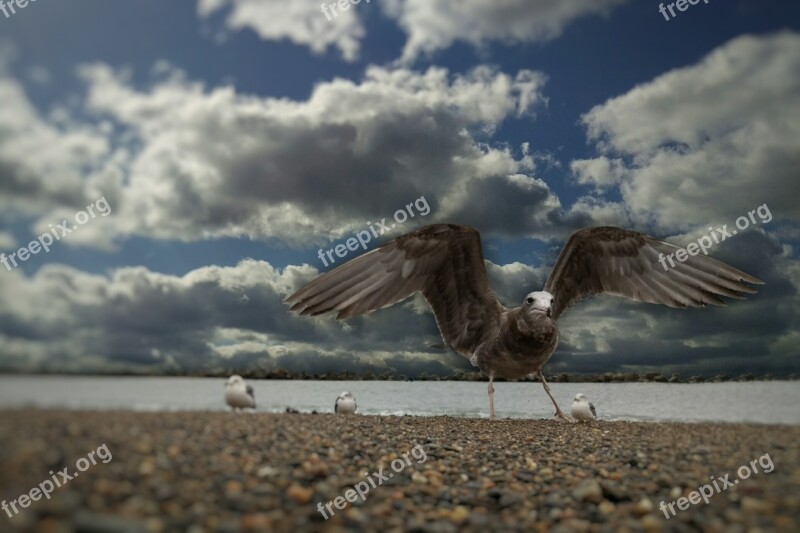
(517, 206)
(234, 317)
(713, 339)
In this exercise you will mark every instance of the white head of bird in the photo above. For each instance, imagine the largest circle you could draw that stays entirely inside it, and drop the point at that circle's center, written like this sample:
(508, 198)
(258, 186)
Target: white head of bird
(235, 381)
(539, 302)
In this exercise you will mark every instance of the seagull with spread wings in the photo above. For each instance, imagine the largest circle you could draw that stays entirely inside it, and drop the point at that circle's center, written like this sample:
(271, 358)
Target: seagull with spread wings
(445, 263)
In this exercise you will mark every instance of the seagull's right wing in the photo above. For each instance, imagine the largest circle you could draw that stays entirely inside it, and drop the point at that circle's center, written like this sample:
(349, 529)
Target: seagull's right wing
(442, 261)
(626, 263)
(594, 413)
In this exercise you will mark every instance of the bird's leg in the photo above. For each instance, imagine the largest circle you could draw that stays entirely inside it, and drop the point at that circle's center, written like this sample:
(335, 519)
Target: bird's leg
(491, 397)
(559, 413)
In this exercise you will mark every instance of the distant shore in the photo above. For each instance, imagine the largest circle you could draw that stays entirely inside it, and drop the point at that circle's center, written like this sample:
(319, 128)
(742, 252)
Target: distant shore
(203, 471)
(280, 374)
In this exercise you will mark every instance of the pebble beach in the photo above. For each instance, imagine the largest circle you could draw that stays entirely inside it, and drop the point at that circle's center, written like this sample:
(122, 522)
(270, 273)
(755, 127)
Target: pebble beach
(228, 472)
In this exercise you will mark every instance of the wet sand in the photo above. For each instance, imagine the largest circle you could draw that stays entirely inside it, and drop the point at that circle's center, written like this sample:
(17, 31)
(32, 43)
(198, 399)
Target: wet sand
(196, 471)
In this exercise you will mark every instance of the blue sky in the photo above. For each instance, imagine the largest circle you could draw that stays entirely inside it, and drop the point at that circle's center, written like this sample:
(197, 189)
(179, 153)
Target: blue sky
(233, 139)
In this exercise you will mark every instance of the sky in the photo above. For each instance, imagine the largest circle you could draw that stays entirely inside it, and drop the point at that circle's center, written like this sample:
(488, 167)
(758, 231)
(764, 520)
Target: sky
(203, 152)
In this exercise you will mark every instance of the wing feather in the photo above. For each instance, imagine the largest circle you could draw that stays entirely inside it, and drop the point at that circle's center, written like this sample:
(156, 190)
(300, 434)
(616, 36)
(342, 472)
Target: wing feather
(442, 261)
(626, 263)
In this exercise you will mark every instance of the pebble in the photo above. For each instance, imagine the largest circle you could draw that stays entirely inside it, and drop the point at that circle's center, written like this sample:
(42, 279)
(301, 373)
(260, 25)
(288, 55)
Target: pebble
(754, 505)
(643, 507)
(589, 490)
(225, 473)
(299, 494)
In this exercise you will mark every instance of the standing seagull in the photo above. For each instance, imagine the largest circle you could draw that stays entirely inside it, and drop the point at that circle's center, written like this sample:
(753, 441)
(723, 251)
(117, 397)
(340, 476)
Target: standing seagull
(583, 409)
(239, 395)
(445, 263)
(345, 403)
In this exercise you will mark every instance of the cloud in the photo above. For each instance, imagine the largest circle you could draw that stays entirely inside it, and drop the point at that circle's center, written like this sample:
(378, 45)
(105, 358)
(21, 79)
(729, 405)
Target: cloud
(511, 282)
(67, 319)
(228, 318)
(43, 162)
(708, 142)
(7, 240)
(434, 25)
(430, 25)
(613, 334)
(300, 21)
(177, 160)
(210, 318)
(600, 172)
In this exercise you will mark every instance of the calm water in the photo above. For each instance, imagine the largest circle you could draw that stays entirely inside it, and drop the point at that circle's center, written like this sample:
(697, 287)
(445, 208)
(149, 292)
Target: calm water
(774, 402)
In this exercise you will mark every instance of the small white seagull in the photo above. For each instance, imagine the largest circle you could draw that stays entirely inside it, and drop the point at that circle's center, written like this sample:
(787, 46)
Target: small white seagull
(583, 409)
(345, 404)
(239, 395)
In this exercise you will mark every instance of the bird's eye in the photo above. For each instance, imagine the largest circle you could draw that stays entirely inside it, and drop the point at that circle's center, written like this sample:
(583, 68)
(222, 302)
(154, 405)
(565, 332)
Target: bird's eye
(529, 300)
(552, 300)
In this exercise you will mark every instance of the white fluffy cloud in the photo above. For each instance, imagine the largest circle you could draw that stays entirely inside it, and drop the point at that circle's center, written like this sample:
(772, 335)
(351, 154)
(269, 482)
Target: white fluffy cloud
(708, 142)
(600, 172)
(181, 161)
(43, 161)
(7, 240)
(430, 25)
(436, 24)
(300, 21)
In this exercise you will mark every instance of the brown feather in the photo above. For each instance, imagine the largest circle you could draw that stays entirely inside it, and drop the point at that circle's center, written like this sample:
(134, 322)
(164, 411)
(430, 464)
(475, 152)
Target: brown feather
(626, 263)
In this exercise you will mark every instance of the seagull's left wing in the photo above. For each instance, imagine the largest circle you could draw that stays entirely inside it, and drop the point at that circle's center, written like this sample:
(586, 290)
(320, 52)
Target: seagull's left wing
(442, 261)
(626, 263)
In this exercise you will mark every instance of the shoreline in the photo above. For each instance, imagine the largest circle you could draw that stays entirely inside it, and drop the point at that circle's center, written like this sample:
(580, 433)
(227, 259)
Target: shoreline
(757, 402)
(280, 412)
(214, 471)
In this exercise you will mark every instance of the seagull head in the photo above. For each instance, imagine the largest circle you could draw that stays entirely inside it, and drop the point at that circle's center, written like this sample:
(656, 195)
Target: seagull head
(234, 381)
(580, 397)
(345, 395)
(539, 301)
